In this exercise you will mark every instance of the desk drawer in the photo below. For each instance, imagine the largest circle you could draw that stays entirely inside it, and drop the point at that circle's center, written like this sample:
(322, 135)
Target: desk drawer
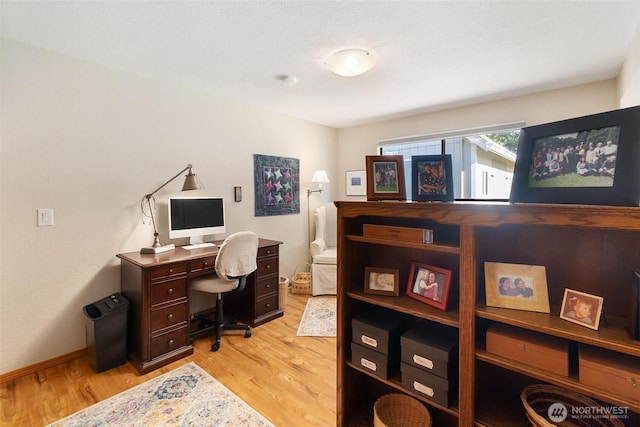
(266, 286)
(168, 272)
(268, 251)
(266, 305)
(169, 341)
(267, 266)
(202, 264)
(167, 291)
(168, 316)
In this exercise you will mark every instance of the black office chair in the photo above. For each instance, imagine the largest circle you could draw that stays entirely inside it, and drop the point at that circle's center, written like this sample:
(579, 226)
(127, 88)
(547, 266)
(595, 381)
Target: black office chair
(236, 259)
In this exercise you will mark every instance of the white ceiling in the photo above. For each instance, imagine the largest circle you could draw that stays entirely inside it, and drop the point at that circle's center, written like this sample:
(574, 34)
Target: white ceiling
(430, 55)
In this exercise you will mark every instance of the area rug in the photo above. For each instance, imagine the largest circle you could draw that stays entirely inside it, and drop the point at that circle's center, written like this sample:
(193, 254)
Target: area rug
(319, 318)
(186, 396)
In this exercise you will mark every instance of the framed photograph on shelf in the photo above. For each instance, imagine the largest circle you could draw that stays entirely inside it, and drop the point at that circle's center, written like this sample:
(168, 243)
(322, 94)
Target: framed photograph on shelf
(385, 178)
(590, 160)
(581, 308)
(381, 281)
(430, 285)
(356, 183)
(431, 178)
(516, 286)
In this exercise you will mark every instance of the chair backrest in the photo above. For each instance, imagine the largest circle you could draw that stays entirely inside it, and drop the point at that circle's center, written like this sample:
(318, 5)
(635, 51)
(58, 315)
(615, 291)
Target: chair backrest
(237, 255)
(326, 217)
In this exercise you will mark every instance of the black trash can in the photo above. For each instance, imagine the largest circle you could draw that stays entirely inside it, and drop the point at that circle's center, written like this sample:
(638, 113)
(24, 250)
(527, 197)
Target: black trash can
(106, 330)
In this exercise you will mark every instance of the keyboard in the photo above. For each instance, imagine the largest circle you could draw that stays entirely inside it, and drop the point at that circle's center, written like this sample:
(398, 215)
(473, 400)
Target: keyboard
(198, 246)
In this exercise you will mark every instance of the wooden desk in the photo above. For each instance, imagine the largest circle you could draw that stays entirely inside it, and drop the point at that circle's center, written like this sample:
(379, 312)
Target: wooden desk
(157, 287)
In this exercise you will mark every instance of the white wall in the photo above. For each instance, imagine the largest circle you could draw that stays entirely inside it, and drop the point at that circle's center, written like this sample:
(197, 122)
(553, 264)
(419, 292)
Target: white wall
(629, 79)
(357, 142)
(88, 142)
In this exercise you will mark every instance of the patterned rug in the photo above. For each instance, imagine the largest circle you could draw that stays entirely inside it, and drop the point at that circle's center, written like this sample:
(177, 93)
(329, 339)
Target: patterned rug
(319, 318)
(186, 396)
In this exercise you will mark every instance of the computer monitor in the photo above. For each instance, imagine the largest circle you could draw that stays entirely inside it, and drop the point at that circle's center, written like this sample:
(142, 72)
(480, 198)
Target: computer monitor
(195, 217)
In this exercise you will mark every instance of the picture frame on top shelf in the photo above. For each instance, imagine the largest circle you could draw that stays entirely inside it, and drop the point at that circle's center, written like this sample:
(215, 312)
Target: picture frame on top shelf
(581, 308)
(385, 178)
(590, 160)
(381, 281)
(430, 285)
(516, 286)
(432, 178)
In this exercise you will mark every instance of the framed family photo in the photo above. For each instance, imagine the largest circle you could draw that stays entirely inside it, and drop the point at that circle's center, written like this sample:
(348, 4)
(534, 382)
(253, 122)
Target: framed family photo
(431, 178)
(581, 308)
(385, 178)
(516, 286)
(589, 160)
(381, 281)
(430, 285)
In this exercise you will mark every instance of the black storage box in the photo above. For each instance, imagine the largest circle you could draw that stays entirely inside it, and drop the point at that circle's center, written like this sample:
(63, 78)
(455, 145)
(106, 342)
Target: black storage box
(380, 329)
(377, 364)
(431, 347)
(106, 331)
(432, 387)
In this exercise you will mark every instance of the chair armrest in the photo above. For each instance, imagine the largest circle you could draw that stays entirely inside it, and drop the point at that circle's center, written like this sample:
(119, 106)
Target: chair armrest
(317, 247)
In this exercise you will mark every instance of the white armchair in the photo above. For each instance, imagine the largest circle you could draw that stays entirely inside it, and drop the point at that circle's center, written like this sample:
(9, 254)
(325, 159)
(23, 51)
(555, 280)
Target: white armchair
(324, 251)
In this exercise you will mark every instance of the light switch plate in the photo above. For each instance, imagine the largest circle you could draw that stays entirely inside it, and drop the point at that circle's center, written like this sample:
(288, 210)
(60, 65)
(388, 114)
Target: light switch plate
(45, 217)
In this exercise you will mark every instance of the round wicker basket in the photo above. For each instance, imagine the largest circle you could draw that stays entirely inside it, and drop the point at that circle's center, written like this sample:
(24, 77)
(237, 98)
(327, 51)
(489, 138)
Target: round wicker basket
(537, 399)
(400, 410)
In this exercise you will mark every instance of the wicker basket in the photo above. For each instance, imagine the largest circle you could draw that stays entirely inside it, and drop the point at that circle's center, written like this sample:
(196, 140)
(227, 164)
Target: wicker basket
(537, 399)
(400, 410)
(301, 281)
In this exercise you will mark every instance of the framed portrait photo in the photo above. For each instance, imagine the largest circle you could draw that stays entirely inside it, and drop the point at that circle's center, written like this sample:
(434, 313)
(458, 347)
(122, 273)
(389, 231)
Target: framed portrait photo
(430, 285)
(355, 183)
(381, 281)
(590, 160)
(385, 178)
(516, 286)
(431, 178)
(581, 308)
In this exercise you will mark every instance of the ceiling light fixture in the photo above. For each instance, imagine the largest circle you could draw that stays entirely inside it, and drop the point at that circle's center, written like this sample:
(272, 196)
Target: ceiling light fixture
(350, 62)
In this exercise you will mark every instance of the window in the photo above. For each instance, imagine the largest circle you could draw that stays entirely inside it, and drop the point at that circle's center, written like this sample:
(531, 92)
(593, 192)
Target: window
(483, 159)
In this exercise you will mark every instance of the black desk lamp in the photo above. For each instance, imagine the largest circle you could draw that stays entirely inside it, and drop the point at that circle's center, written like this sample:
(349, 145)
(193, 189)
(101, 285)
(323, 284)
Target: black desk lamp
(191, 182)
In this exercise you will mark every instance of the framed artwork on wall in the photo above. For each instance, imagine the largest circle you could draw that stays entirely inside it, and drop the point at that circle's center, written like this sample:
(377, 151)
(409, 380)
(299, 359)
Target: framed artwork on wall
(356, 183)
(277, 185)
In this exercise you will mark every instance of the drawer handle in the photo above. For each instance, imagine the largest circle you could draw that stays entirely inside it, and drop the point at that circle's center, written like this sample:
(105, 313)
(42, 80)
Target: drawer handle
(267, 286)
(170, 291)
(170, 343)
(170, 316)
(268, 267)
(634, 383)
(523, 347)
(206, 264)
(268, 252)
(171, 271)
(267, 305)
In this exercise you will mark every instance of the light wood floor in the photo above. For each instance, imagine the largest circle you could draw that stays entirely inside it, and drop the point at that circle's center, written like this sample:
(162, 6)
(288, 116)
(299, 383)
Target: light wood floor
(290, 380)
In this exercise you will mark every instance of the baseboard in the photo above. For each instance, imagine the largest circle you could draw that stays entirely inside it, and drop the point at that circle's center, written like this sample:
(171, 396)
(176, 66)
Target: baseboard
(28, 370)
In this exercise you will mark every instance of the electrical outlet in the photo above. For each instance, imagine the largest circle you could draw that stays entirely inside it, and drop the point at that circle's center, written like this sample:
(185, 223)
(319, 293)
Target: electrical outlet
(45, 217)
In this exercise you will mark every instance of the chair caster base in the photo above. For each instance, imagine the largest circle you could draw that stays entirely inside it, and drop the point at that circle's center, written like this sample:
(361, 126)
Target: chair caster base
(215, 346)
(247, 334)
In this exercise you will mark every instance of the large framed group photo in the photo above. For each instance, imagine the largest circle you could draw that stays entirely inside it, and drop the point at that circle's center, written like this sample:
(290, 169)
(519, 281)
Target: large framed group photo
(590, 160)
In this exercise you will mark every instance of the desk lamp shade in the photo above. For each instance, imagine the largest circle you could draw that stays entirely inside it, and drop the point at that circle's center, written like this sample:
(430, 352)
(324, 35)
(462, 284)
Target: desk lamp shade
(191, 182)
